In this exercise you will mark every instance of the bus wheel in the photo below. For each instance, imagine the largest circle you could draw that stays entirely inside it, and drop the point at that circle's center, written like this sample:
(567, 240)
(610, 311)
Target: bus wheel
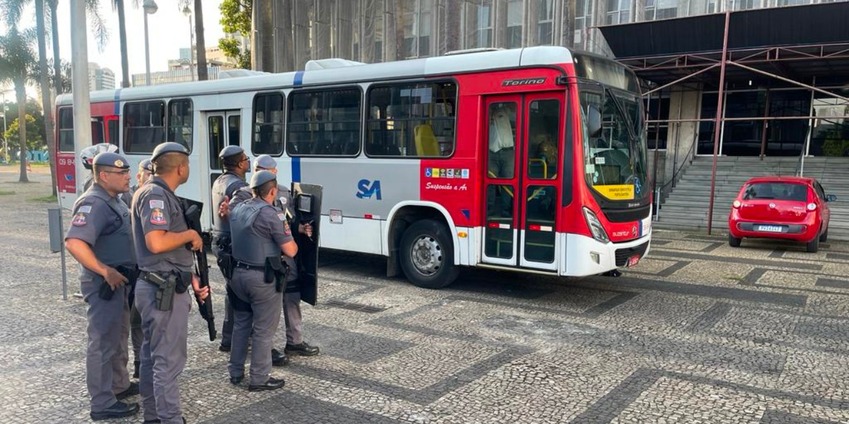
(427, 255)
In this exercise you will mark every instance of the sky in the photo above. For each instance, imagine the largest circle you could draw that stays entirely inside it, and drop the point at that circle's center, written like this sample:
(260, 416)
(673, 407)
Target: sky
(168, 28)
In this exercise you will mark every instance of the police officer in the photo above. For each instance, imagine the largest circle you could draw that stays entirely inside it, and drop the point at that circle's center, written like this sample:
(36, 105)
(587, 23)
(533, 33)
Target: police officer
(295, 343)
(236, 164)
(260, 235)
(100, 239)
(135, 332)
(161, 236)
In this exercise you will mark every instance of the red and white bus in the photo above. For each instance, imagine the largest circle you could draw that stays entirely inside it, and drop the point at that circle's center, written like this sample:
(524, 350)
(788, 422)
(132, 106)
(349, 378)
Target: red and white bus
(531, 160)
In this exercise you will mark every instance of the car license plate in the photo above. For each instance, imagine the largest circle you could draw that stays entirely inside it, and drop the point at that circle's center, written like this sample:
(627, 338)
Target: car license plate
(770, 228)
(633, 260)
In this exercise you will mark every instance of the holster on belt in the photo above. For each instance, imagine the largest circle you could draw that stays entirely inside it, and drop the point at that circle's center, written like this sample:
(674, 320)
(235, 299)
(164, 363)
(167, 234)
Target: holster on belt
(131, 273)
(166, 286)
(275, 271)
(225, 260)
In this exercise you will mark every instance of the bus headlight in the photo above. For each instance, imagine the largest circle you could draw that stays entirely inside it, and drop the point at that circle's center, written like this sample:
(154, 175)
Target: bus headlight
(595, 226)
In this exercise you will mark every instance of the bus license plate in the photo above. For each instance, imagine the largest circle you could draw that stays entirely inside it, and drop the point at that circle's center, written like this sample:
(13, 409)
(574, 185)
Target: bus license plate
(770, 228)
(633, 260)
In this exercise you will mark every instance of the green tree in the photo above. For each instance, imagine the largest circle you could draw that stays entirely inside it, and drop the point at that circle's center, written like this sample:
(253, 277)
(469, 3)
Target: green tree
(236, 18)
(16, 64)
(34, 140)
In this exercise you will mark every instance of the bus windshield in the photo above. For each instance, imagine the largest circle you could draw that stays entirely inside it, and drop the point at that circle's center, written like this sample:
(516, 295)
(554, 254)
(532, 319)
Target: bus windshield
(615, 155)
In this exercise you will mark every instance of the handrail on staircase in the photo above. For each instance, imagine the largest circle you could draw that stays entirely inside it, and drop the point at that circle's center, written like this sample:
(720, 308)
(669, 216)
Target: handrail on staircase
(659, 190)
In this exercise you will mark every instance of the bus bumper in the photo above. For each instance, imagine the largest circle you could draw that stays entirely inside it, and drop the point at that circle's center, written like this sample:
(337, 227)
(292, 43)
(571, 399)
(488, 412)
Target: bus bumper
(585, 256)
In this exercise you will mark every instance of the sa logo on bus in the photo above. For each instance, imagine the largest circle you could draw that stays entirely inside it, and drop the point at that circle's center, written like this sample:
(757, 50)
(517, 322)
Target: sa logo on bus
(366, 189)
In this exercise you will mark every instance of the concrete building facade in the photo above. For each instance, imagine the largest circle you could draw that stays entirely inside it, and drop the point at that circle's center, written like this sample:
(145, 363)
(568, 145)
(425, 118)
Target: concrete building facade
(100, 78)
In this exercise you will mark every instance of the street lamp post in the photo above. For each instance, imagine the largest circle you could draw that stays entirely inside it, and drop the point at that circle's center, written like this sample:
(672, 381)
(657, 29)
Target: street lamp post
(188, 13)
(150, 8)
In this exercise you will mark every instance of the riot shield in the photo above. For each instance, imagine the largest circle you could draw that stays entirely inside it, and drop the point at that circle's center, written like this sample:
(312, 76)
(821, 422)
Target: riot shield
(307, 205)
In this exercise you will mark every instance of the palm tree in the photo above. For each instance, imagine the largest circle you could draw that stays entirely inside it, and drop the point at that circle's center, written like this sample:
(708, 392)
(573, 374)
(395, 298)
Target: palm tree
(16, 64)
(203, 74)
(44, 78)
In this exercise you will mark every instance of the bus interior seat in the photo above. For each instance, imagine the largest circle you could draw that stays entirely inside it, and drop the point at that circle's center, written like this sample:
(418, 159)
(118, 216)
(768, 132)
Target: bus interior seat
(426, 144)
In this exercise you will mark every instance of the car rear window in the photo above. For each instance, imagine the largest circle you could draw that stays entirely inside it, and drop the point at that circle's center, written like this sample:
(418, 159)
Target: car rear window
(776, 191)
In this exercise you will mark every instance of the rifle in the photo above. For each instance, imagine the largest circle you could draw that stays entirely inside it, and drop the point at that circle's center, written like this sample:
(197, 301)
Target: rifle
(192, 211)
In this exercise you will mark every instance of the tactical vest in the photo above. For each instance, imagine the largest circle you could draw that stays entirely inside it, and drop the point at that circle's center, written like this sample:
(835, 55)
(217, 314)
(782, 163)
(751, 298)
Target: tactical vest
(221, 188)
(249, 247)
(115, 246)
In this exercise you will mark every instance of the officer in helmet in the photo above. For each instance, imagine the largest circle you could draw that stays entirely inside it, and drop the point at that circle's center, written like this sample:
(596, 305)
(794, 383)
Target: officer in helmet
(236, 164)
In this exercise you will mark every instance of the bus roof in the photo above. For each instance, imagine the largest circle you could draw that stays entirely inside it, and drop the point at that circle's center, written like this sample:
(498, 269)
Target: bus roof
(431, 66)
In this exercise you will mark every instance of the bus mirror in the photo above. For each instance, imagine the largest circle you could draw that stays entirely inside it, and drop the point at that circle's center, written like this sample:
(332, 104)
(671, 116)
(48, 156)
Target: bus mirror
(304, 203)
(593, 121)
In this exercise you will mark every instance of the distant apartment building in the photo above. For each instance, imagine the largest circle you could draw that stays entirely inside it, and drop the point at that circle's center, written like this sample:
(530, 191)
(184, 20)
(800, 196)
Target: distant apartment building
(100, 78)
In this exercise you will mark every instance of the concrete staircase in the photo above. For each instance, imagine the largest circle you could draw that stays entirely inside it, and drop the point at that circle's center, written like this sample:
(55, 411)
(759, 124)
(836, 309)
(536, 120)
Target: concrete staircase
(687, 204)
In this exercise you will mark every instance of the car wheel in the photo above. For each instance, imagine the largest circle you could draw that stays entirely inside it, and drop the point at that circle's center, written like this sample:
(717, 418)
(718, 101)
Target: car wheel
(734, 241)
(813, 245)
(427, 255)
(824, 236)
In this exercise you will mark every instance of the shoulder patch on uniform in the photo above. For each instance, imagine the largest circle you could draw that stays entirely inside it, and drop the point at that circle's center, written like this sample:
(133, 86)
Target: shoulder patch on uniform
(79, 218)
(281, 216)
(157, 217)
(286, 229)
(157, 204)
(84, 209)
(283, 200)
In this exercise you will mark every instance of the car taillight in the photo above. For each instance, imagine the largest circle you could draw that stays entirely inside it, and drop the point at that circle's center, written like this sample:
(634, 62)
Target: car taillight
(812, 206)
(736, 204)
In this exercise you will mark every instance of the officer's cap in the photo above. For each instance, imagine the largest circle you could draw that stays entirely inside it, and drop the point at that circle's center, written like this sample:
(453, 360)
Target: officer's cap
(261, 177)
(265, 162)
(111, 159)
(146, 165)
(168, 147)
(230, 151)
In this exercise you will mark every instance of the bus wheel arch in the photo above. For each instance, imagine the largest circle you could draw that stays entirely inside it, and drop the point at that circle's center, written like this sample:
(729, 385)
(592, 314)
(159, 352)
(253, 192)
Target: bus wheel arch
(421, 246)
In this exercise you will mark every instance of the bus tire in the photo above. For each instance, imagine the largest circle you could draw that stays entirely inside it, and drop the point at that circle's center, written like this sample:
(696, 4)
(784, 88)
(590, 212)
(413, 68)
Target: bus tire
(427, 255)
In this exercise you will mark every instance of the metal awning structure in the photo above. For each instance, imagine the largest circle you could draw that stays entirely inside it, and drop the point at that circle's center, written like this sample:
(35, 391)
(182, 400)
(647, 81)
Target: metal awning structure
(796, 43)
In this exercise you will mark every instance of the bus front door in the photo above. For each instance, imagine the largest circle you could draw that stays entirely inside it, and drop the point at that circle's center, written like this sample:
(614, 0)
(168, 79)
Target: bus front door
(522, 180)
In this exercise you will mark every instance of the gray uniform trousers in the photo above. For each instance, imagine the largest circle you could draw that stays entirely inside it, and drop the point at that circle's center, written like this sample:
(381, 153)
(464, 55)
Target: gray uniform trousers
(120, 376)
(292, 317)
(104, 340)
(136, 334)
(260, 324)
(163, 353)
(227, 326)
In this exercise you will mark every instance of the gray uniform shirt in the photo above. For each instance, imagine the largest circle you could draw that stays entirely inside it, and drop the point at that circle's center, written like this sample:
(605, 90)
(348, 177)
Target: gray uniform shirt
(269, 224)
(156, 208)
(103, 222)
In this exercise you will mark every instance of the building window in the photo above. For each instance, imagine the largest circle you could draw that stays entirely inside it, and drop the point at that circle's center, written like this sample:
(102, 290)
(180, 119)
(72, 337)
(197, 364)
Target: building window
(144, 126)
(416, 18)
(545, 25)
(324, 123)
(412, 119)
(583, 19)
(661, 9)
(794, 2)
(744, 4)
(618, 11)
(513, 35)
(711, 6)
(66, 129)
(478, 22)
(268, 124)
(180, 122)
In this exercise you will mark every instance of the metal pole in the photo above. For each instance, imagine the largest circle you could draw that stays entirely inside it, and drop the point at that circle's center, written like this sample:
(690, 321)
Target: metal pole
(719, 115)
(5, 143)
(146, 52)
(82, 101)
(62, 255)
(191, 49)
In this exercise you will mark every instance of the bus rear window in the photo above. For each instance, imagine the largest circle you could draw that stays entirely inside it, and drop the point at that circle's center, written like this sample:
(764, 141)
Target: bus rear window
(324, 123)
(412, 119)
(144, 126)
(66, 129)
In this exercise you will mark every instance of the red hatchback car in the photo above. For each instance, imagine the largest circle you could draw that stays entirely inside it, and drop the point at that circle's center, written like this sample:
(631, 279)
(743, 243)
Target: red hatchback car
(790, 208)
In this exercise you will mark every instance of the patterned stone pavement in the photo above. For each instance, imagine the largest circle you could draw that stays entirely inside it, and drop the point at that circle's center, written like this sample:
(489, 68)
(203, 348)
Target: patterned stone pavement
(697, 333)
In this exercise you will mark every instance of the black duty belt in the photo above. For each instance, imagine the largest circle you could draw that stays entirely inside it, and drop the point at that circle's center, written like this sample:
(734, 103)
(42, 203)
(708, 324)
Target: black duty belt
(145, 275)
(250, 267)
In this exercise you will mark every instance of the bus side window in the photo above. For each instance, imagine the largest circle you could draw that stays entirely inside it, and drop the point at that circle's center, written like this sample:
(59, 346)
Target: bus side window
(144, 126)
(324, 122)
(411, 119)
(268, 124)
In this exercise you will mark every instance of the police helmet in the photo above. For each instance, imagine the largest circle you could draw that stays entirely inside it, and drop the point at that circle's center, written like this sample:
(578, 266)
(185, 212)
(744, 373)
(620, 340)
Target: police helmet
(87, 155)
